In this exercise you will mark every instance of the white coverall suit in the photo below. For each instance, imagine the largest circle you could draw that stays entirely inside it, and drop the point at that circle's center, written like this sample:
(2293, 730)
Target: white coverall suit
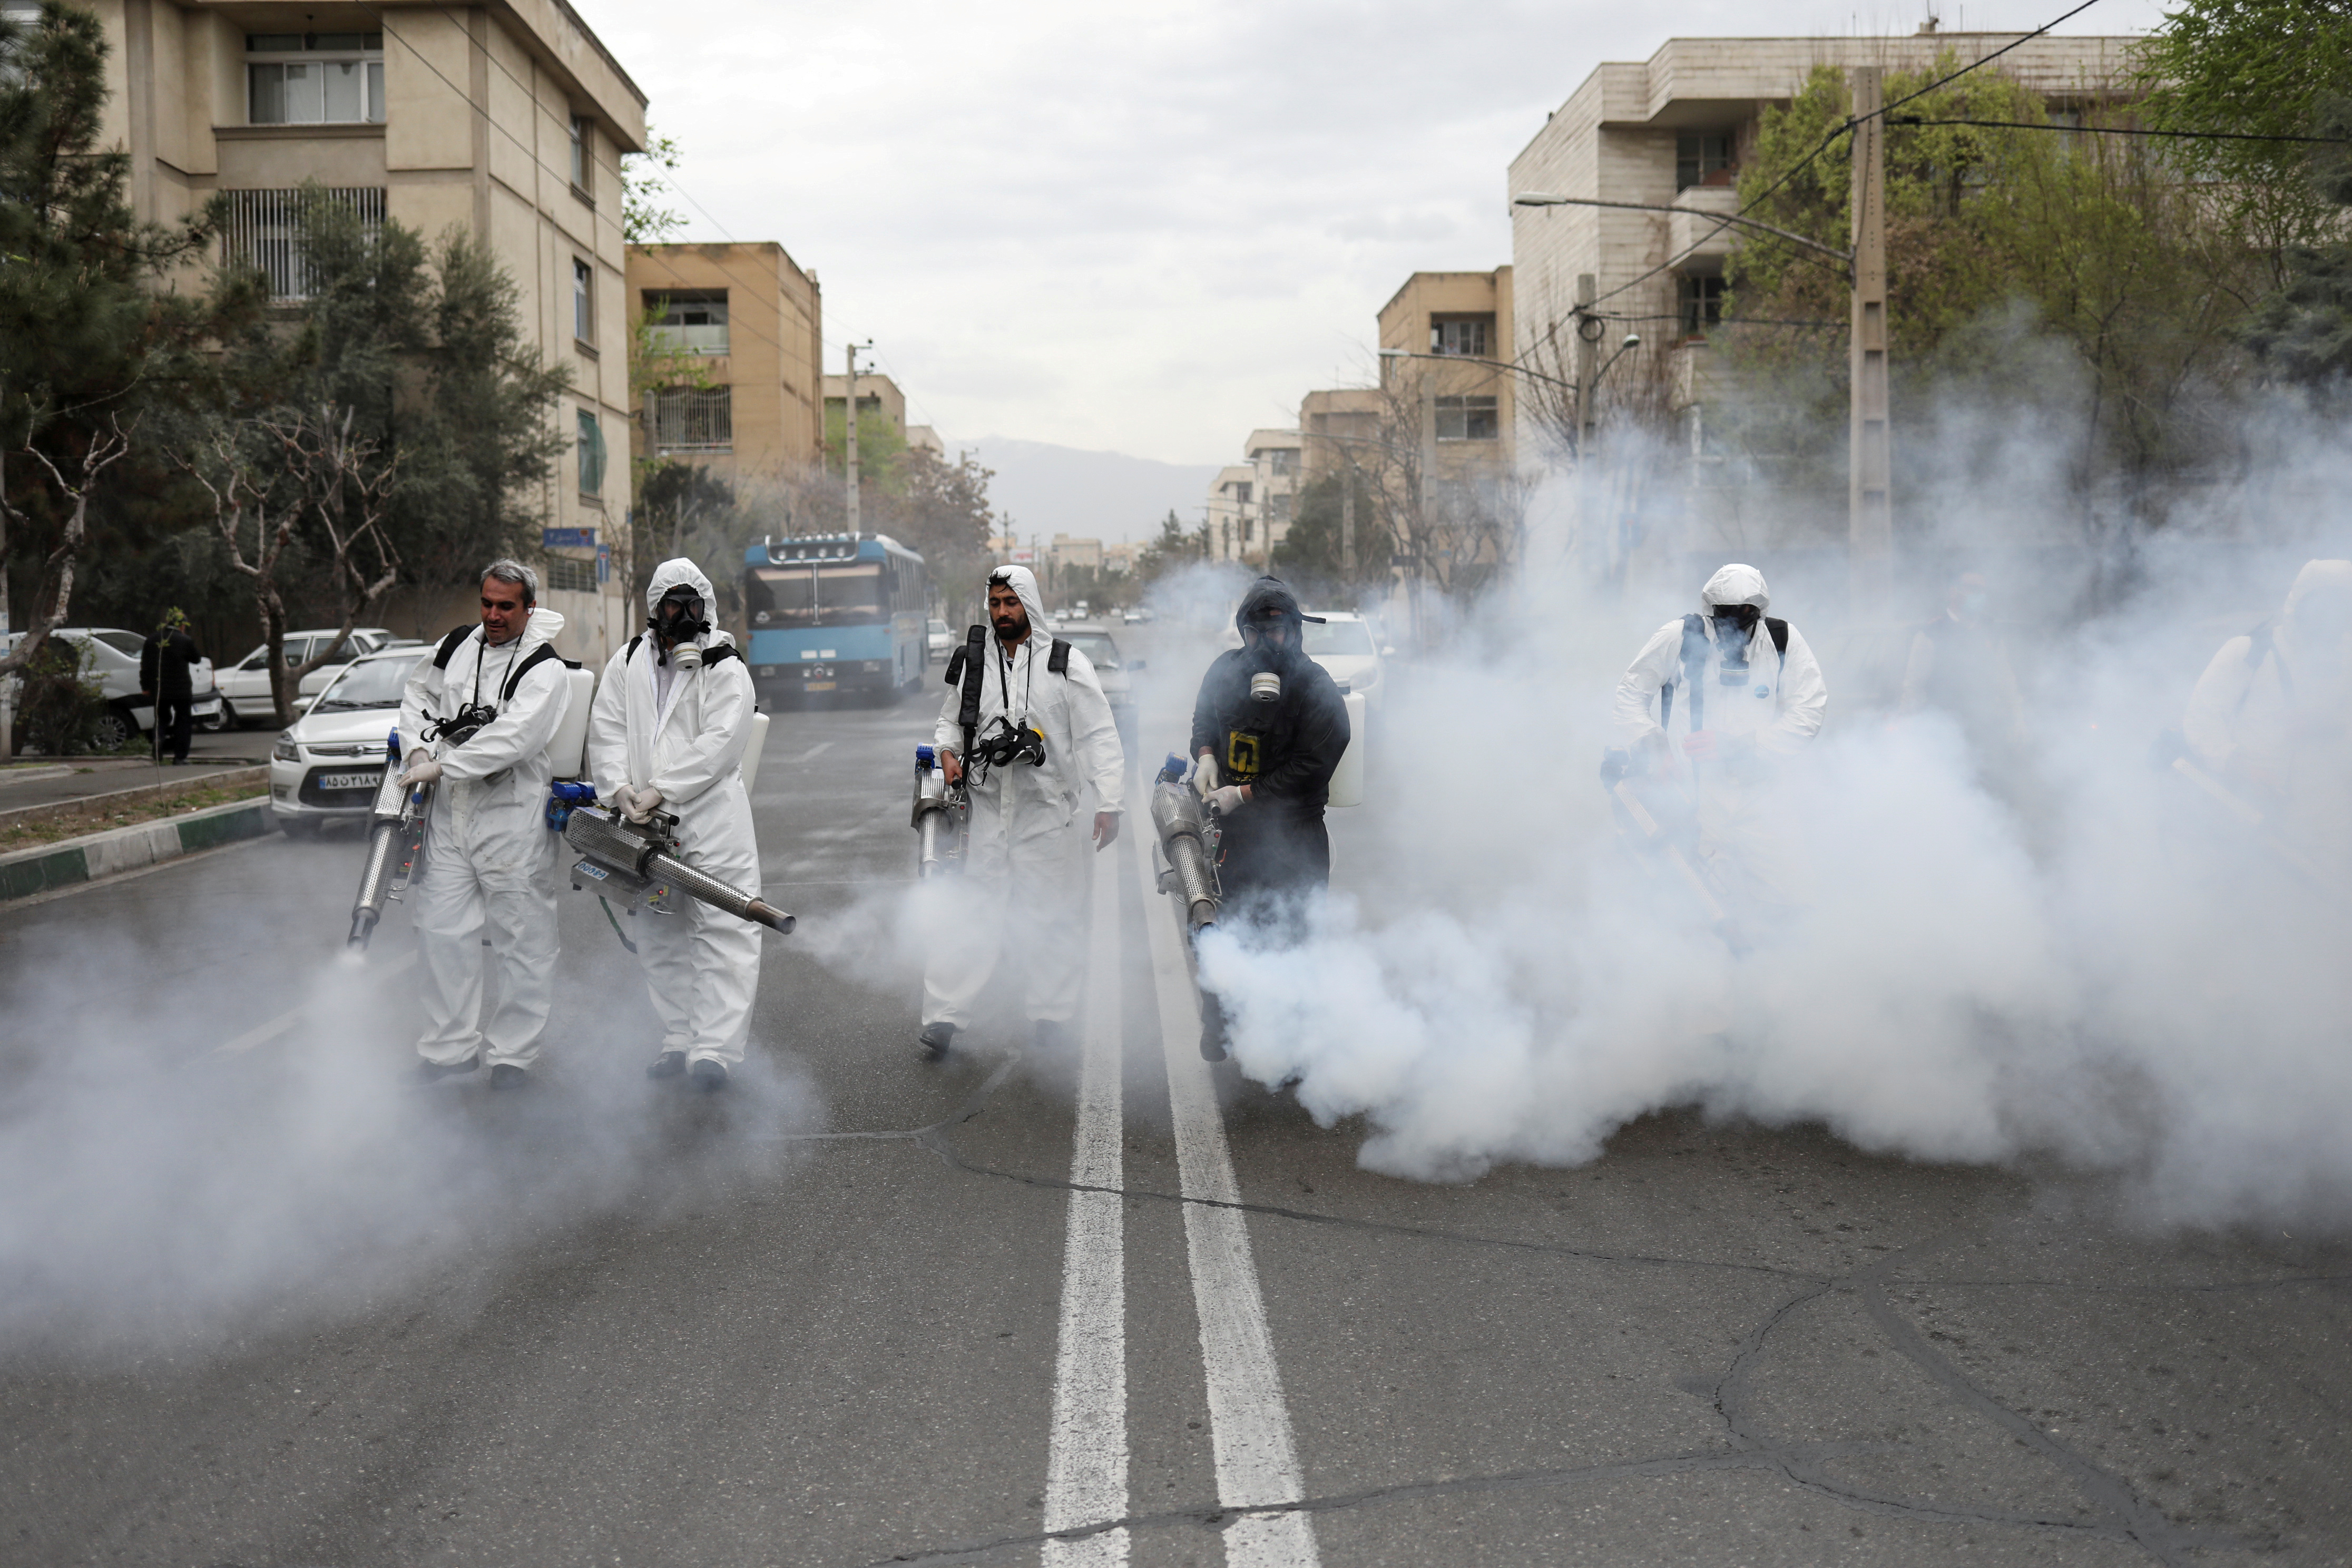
(489, 858)
(1769, 715)
(2275, 722)
(702, 966)
(1026, 877)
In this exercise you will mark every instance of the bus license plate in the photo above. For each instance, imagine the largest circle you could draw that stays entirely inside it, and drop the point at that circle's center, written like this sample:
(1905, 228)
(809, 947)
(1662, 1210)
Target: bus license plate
(819, 686)
(351, 781)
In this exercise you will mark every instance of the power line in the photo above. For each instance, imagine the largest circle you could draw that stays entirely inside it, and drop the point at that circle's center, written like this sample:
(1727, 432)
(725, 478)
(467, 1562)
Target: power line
(1803, 164)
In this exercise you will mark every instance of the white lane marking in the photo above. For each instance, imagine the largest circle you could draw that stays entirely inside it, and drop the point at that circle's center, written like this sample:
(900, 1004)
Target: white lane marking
(1249, 1421)
(286, 1021)
(1085, 1461)
(813, 752)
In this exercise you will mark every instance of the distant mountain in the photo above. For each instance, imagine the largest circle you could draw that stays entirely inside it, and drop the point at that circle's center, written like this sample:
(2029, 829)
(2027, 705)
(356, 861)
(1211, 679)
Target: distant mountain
(1047, 489)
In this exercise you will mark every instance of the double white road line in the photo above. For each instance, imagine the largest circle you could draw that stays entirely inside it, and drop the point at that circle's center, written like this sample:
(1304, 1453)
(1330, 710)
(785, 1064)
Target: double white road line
(1249, 1422)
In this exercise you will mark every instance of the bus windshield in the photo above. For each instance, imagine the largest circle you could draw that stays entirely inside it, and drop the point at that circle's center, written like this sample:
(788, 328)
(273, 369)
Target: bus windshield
(799, 597)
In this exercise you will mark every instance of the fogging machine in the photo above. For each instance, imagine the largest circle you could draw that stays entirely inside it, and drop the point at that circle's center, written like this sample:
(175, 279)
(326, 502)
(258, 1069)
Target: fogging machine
(1642, 829)
(1189, 835)
(637, 864)
(396, 845)
(941, 817)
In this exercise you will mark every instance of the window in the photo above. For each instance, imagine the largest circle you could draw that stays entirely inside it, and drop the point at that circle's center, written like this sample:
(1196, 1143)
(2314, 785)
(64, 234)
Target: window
(692, 418)
(591, 454)
(1282, 460)
(264, 230)
(583, 154)
(1240, 490)
(570, 575)
(314, 79)
(691, 321)
(1466, 335)
(1468, 419)
(1704, 158)
(1277, 509)
(1699, 303)
(583, 301)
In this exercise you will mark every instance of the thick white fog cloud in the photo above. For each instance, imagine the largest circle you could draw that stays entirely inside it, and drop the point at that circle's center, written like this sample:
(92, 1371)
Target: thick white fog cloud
(1140, 229)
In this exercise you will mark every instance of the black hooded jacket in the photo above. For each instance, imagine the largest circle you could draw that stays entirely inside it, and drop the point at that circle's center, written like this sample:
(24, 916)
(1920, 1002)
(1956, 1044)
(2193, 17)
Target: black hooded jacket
(1284, 750)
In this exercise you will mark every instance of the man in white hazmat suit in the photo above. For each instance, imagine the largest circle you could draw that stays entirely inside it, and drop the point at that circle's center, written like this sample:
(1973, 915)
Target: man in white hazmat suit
(2271, 718)
(1749, 694)
(1025, 880)
(667, 733)
(475, 721)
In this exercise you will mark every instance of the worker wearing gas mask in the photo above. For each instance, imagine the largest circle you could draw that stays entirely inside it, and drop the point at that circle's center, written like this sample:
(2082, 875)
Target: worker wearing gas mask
(1046, 738)
(1750, 695)
(1269, 726)
(474, 721)
(666, 734)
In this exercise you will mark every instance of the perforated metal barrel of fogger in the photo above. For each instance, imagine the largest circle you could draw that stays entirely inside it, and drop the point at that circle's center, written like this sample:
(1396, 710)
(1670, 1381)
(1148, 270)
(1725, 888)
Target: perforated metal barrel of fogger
(384, 829)
(936, 822)
(1176, 816)
(604, 838)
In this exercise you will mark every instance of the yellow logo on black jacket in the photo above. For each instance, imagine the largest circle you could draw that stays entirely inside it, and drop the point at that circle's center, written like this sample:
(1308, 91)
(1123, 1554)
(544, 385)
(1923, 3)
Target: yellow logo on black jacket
(1242, 761)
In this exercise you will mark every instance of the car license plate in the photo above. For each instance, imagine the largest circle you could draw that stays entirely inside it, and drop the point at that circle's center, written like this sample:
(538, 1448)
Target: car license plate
(819, 686)
(351, 781)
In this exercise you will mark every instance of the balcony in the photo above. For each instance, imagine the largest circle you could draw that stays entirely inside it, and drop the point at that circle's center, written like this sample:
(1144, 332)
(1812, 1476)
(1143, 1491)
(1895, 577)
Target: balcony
(1696, 211)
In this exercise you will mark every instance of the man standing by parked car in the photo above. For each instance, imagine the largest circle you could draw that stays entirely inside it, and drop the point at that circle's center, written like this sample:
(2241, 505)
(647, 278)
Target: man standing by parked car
(166, 663)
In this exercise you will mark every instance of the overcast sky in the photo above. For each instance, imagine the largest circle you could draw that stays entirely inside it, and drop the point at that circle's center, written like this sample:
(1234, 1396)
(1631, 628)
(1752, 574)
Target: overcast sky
(1142, 230)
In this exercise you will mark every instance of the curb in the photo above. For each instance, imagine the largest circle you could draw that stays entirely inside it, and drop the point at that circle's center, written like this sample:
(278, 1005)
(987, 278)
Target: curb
(215, 778)
(38, 870)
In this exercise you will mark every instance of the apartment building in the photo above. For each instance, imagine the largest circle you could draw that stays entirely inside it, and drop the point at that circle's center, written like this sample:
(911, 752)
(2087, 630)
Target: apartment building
(1444, 339)
(1251, 503)
(1672, 131)
(748, 322)
(1338, 426)
(507, 121)
(876, 394)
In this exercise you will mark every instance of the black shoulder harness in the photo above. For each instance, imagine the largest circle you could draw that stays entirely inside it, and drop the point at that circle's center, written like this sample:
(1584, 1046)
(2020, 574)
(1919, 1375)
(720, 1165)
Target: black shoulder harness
(1057, 658)
(449, 648)
(528, 663)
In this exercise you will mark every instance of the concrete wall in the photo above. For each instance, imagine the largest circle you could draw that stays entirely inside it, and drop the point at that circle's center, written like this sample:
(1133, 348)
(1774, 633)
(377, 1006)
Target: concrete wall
(775, 333)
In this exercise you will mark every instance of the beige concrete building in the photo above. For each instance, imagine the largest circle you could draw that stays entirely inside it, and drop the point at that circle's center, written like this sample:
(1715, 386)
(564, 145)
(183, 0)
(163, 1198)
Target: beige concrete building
(1337, 425)
(507, 121)
(750, 322)
(876, 394)
(1251, 503)
(1450, 332)
(1672, 131)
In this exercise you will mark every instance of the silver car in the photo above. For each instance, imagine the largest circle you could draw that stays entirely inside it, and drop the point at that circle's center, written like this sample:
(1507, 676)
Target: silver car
(112, 655)
(327, 764)
(245, 686)
(1116, 673)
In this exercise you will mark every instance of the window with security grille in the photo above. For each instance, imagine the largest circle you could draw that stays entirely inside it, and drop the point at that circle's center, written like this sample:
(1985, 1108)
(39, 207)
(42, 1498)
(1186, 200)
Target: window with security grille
(314, 79)
(693, 418)
(1469, 419)
(591, 454)
(570, 576)
(1465, 335)
(263, 230)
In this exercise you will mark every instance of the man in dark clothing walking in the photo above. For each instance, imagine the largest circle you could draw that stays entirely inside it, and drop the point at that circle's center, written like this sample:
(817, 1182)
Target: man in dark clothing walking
(166, 666)
(1268, 728)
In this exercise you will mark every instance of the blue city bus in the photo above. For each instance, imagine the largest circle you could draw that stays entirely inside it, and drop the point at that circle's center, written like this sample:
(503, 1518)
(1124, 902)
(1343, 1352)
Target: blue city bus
(836, 611)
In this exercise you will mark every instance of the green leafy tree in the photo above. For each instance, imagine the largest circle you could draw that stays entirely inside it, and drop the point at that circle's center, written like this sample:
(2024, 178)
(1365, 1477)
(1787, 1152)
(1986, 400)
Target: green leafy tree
(645, 179)
(1312, 554)
(89, 345)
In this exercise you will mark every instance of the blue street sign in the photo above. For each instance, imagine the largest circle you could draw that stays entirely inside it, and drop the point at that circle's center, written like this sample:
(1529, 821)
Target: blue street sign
(567, 539)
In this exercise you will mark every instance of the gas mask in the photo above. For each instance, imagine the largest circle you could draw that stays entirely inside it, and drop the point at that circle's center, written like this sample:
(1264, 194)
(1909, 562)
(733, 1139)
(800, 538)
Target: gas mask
(1734, 624)
(676, 620)
(1269, 647)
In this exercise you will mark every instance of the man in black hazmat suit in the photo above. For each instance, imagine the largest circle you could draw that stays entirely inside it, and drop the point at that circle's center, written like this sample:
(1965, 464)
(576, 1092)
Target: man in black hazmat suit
(1268, 728)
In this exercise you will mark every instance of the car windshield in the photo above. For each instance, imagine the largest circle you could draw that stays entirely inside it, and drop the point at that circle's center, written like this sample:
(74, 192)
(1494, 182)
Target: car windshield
(1342, 637)
(1100, 651)
(123, 642)
(375, 683)
(939, 625)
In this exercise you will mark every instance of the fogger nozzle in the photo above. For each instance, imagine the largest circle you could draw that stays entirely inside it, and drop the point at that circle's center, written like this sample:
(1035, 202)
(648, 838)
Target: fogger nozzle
(1177, 817)
(395, 840)
(633, 862)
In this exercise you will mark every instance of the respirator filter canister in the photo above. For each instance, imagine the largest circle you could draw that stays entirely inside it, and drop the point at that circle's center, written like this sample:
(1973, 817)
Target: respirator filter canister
(1266, 686)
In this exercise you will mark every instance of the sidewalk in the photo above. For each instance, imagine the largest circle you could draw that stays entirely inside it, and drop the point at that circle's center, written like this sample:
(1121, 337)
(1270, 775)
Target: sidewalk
(45, 867)
(46, 781)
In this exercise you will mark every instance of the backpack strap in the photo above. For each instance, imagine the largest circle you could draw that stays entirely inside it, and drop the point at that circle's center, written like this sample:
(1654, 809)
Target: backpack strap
(449, 648)
(1057, 658)
(528, 662)
(1780, 630)
(2261, 644)
(970, 666)
(632, 652)
(1694, 663)
(719, 653)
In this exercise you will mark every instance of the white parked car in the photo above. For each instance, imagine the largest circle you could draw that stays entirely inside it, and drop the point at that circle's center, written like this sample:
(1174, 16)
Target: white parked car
(1116, 672)
(941, 641)
(327, 764)
(1344, 646)
(245, 687)
(112, 655)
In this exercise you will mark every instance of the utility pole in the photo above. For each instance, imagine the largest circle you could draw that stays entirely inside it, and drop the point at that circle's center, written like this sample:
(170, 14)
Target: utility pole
(849, 425)
(1348, 518)
(1869, 518)
(1586, 354)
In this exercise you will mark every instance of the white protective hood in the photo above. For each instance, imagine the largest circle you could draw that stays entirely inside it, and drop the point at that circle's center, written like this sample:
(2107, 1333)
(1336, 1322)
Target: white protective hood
(1735, 584)
(1024, 581)
(2316, 576)
(669, 574)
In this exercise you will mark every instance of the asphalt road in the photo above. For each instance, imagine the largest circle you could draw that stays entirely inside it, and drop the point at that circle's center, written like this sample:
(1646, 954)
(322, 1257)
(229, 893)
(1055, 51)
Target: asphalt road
(262, 1303)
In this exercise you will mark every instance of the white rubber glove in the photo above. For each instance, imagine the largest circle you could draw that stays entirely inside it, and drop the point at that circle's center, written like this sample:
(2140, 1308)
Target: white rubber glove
(1204, 775)
(641, 803)
(422, 769)
(1230, 798)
